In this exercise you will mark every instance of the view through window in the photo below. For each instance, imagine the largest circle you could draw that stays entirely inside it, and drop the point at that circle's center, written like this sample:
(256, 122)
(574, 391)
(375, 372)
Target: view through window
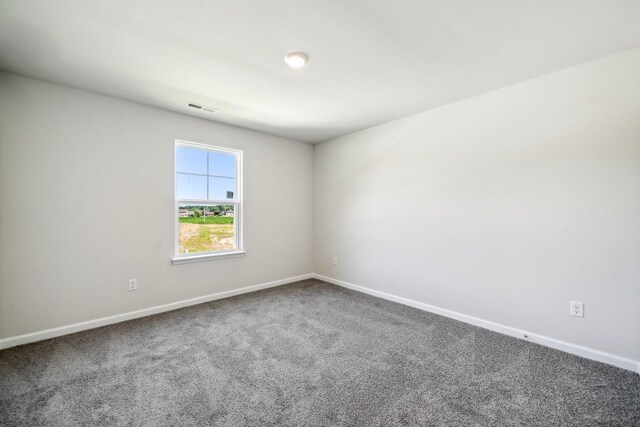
(207, 199)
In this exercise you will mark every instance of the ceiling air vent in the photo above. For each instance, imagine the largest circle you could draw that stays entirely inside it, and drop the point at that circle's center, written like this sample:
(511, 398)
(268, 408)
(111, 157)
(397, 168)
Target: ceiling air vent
(204, 108)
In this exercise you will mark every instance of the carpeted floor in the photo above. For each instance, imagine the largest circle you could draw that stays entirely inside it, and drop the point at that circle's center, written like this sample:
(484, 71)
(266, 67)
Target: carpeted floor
(306, 354)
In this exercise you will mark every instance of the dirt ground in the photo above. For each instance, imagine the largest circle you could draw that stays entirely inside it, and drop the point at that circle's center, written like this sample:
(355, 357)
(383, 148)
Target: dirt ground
(206, 237)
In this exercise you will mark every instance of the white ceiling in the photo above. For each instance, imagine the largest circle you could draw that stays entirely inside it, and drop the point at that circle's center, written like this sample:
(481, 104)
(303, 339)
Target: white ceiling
(371, 60)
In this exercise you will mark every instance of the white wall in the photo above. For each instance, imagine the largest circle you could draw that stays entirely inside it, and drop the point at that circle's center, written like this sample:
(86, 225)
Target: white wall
(504, 206)
(86, 190)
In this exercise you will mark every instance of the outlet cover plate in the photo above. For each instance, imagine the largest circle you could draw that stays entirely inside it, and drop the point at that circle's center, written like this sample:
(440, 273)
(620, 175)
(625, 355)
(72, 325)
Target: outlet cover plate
(576, 309)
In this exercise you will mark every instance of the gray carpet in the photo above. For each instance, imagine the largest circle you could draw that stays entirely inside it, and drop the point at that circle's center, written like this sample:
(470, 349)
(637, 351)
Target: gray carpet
(306, 354)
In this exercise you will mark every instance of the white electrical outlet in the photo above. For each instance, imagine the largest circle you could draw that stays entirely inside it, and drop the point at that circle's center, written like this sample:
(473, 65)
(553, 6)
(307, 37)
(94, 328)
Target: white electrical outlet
(133, 284)
(576, 309)
(335, 260)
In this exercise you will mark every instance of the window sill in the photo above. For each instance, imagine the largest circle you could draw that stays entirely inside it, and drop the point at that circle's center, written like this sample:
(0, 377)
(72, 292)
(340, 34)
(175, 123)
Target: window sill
(208, 257)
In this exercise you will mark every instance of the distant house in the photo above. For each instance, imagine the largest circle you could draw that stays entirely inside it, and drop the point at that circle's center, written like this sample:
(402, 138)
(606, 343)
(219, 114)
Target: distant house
(207, 213)
(228, 213)
(185, 213)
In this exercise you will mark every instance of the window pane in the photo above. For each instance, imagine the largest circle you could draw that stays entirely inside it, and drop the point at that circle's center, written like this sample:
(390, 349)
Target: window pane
(222, 188)
(206, 228)
(221, 164)
(191, 160)
(191, 187)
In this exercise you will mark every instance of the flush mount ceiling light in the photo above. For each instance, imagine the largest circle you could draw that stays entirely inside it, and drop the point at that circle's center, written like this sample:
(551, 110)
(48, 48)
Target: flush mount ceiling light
(296, 59)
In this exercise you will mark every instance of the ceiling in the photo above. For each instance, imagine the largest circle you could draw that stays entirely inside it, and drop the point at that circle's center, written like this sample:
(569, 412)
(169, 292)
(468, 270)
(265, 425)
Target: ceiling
(372, 61)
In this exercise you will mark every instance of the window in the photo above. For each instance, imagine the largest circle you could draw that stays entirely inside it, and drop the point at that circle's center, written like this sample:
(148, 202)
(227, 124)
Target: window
(208, 208)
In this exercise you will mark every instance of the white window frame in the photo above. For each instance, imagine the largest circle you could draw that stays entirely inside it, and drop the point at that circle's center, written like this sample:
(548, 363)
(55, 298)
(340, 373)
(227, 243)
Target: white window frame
(179, 258)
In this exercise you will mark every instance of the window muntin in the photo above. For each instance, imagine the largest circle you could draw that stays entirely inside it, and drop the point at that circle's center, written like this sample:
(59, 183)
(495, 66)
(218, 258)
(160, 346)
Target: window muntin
(208, 200)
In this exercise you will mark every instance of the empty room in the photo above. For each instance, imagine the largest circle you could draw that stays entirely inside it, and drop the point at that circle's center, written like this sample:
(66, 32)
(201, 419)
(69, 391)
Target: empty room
(320, 213)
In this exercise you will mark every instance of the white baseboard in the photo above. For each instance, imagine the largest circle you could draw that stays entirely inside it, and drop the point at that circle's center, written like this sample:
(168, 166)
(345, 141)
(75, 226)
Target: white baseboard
(578, 350)
(96, 323)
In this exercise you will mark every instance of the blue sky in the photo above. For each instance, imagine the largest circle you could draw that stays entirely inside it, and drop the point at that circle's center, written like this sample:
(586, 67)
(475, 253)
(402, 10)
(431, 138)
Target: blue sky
(195, 168)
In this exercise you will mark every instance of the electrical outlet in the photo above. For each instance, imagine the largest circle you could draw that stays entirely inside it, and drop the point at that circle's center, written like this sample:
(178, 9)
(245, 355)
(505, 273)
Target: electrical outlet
(576, 309)
(335, 260)
(133, 284)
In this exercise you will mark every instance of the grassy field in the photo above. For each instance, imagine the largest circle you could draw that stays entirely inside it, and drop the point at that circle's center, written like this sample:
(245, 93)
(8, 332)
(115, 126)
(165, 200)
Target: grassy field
(207, 220)
(200, 237)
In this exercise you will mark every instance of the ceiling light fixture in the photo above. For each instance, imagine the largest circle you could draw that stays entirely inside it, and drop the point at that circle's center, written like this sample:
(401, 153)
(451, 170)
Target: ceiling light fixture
(296, 59)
